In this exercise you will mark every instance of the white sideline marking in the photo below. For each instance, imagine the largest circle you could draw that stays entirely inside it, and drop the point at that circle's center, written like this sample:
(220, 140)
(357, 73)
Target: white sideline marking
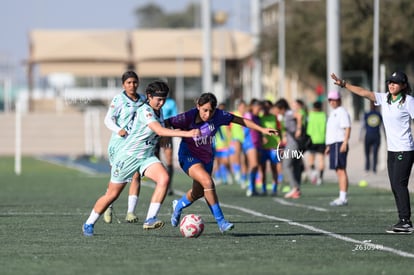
(318, 230)
(284, 202)
(74, 166)
(377, 247)
(308, 227)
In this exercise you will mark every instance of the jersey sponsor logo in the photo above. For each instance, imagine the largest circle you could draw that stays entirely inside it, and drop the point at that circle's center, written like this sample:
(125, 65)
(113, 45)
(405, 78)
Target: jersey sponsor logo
(373, 120)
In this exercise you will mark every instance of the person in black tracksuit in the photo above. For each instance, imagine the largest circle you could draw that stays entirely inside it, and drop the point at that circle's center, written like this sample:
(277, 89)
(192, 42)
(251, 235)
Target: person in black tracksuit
(397, 108)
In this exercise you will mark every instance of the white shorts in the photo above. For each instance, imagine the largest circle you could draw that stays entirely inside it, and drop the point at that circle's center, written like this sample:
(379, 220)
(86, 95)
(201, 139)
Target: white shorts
(125, 167)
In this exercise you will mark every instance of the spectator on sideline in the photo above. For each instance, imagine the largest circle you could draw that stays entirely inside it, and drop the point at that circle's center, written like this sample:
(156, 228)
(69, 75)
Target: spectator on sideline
(372, 137)
(292, 159)
(280, 142)
(252, 146)
(397, 108)
(237, 158)
(316, 129)
(338, 132)
(137, 155)
(269, 148)
(221, 168)
(196, 154)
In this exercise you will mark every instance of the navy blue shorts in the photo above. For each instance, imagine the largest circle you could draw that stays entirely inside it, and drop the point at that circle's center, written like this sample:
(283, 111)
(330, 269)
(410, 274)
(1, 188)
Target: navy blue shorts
(337, 160)
(186, 160)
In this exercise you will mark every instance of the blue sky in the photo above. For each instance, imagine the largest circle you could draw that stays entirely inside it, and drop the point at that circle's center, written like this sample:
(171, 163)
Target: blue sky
(19, 17)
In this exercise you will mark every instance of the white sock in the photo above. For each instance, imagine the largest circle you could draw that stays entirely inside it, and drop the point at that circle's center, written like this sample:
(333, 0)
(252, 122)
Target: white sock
(132, 203)
(342, 195)
(93, 217)
(153, 209)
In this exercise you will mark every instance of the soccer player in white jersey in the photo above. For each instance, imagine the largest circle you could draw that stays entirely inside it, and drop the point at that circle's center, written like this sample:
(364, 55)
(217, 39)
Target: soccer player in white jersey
(119, 119)
(137, 155)
(169, 109)
(397, 108)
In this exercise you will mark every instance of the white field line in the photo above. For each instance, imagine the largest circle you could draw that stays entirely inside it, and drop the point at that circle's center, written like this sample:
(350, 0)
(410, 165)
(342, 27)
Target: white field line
(308, 227)
(284, 202)
(79, 167)
(372, 246)
(365, 244)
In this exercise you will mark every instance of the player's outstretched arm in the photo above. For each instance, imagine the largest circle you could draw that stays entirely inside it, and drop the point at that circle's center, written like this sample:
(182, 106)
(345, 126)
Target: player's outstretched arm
(250, 124)
(353, 88)
(165, 132)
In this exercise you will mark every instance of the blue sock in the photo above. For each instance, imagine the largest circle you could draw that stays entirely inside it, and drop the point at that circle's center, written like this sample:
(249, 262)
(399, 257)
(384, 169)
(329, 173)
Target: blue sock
(183, 203)
(217, 213)
(236, 168)
(252, 184)
(264, 185)
(274, 187)
(280, 178)
(217, 174)
(223, 173)
(243, 178)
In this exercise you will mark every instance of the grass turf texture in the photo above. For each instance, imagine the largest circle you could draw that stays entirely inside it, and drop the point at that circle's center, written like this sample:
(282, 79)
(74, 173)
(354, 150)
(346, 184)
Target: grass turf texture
(42, 210)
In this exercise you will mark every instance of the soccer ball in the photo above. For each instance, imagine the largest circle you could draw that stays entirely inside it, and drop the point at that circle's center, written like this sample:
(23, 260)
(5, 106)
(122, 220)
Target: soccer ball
(191, 226)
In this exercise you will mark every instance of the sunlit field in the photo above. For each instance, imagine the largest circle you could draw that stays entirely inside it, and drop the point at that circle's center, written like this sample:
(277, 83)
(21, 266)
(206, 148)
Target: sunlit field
(42, 211)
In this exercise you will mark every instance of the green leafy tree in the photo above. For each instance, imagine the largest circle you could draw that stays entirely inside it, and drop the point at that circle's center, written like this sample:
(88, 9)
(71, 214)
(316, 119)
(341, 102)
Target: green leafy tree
(306, 36)
(153, 16)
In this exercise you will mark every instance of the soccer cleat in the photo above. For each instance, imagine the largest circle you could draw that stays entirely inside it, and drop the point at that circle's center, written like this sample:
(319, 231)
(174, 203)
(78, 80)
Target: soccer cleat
(319, 181)
(87, 230)
(293, 194)
(175, 217)
(107, 217)
(314, 176)
(338, 202)
(250, 193)
(153, 223)
(225, 226)
(131, 218)
(404, 226)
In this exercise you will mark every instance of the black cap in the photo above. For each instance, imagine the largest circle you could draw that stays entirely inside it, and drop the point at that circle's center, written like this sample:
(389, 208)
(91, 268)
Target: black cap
(398, 77)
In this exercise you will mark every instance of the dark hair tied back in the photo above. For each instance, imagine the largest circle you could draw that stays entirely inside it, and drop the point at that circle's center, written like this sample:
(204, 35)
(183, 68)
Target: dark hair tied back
(207, 98)
(129, 74)
(157, 88)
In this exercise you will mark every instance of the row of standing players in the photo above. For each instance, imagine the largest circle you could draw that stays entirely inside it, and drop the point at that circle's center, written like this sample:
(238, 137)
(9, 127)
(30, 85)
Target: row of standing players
(137, 124)
(246, 157)
(397, 112)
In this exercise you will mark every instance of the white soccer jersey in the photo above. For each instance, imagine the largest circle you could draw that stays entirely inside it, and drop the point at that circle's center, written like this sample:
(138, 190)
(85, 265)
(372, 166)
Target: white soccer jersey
(397, 122)
(141, 141)
(338, 120)
(120, 115)
(121, 112)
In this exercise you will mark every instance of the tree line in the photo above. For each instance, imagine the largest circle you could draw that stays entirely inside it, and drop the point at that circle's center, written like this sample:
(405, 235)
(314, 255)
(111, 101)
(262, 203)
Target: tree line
(306, 33)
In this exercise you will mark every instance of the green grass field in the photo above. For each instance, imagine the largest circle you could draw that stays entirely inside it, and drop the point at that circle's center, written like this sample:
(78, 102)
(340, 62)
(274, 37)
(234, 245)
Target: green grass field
(42, 210)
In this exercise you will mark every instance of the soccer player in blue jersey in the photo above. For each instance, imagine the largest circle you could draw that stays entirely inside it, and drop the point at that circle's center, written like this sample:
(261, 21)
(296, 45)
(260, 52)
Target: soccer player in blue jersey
(137, 155)
(119, 119)
(196, 154)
